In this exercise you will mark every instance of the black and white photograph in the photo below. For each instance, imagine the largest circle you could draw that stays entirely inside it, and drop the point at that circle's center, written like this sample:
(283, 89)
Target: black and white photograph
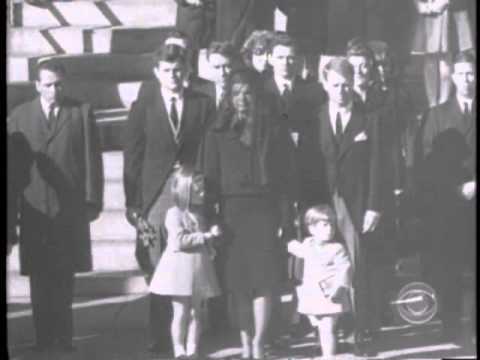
(241, 179)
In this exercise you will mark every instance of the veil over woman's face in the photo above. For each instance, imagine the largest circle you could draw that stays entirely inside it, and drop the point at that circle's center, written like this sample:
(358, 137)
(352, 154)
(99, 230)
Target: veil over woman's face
(243, 97)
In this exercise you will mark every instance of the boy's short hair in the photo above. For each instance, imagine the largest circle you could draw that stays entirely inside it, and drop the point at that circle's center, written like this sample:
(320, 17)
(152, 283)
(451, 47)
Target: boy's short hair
(359, 47)
(283, 39)
(318, 213)
(340, 65)
(50, 65)
(465, 57)
(170, 53)
(223, 48)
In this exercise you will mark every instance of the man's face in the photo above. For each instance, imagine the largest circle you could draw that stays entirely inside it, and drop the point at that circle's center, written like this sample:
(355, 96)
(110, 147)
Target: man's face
(464, 79)
(170, 74)
(339, 88)
(221, 67)
(284, 62)
(50, 86)
(361, 68)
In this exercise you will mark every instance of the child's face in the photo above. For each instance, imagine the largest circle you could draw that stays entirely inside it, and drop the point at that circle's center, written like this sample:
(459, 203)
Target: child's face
(197, 195)
(322, 231)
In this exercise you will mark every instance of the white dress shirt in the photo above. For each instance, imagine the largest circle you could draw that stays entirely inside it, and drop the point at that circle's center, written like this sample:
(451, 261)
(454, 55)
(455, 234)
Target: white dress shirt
(282, 84)
(462, 101)
(345, 115)
(219, 89)
(46, 108)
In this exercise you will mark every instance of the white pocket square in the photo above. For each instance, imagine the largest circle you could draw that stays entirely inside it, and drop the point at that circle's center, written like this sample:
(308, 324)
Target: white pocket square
(361, 137)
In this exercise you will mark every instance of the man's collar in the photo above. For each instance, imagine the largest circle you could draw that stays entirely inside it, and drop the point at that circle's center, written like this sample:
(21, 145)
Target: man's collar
(168, 94)
(281, 83)
(335, 108)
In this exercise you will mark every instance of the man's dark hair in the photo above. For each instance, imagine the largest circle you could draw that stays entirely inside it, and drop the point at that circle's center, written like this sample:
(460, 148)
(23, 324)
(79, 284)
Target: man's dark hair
(50, 65)
(175, 33)
(170, 53)
(283, 39)
(224, 48)
(465, 57)
(359, 47)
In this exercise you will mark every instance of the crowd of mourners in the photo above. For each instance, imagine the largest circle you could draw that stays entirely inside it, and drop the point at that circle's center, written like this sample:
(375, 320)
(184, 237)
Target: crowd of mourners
(283, 171)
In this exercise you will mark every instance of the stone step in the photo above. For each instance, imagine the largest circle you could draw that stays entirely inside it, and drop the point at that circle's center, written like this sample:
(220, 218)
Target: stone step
(85, 39)
(112, 67)
(96, 283)
(114, 196)
(116, 67)
(98, 13)
(112, 226)
(101, 95)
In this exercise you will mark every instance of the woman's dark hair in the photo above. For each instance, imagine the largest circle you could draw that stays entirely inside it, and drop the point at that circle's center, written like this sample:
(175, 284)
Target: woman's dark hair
(258, 41)
(227, 111)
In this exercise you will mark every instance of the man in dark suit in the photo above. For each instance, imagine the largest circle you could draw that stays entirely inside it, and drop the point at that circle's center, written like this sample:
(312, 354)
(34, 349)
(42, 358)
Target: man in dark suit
(447, 188)
(165, 129)
(390, 103)
(295, 100)
(196, 19)
(340, 152)
(63, 192)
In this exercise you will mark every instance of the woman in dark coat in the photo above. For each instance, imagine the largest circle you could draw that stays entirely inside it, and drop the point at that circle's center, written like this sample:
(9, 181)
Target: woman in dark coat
(247, 168)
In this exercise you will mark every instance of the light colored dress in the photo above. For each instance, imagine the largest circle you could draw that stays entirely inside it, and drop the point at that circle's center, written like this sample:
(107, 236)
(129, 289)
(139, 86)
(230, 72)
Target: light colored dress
(326, 268)
(186, 266)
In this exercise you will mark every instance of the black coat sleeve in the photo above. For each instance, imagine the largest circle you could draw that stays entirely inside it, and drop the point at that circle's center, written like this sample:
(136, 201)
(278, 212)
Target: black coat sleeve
(133, 155)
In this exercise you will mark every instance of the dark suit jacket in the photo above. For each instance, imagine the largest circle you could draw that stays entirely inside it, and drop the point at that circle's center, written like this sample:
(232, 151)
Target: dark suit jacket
(65, 180)
(448, 157)
(353, 169)
(197, 22)
(307, 22)
(304, 99)
(150, 149)
(236, 19)
(295, 114)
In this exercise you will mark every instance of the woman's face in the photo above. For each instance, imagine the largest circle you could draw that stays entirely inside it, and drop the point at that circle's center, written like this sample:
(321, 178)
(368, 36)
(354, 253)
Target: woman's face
(242, 98)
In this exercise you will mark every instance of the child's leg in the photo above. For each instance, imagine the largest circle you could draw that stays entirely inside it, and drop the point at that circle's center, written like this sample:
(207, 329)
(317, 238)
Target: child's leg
(195, 327)
(243, 304)
(262, 307)
(181, 316)
(326, 330)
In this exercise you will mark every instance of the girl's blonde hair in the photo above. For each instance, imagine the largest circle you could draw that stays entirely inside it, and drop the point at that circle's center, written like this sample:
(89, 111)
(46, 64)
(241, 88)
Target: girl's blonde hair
(319, 212)
(181, 191)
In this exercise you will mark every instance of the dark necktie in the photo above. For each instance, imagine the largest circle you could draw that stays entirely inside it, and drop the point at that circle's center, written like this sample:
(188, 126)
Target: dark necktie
(338, 129)
(286, 93)
(51, 117)
(174, 113)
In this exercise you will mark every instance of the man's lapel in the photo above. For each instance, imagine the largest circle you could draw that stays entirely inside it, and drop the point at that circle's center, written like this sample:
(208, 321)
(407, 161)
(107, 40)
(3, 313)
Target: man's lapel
(159, 117)
(188, 116)
(354, 127)
(327, 137)
(63, 115)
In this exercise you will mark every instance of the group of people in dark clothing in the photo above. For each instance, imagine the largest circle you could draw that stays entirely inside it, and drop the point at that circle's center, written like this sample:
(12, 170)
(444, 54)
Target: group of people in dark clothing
(258, 145)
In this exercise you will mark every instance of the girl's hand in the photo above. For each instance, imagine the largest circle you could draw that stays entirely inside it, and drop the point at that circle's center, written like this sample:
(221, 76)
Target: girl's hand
(292, 245)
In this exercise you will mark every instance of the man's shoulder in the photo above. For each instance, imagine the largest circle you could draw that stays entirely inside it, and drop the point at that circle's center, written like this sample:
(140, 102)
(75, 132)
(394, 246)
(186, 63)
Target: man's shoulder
(202, 85)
